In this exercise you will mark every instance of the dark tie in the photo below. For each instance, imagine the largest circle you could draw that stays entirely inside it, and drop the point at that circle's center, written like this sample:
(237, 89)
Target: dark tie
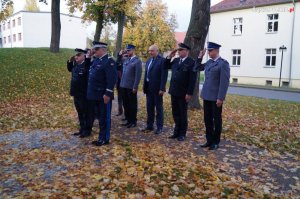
(180, 62)
(149, 67)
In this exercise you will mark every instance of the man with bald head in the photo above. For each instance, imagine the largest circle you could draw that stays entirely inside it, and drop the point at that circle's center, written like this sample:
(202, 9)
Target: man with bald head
(154, 87)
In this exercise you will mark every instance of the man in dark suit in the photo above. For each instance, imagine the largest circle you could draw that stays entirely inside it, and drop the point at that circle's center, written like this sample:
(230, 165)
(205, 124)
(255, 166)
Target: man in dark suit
(102, 80)
(78, 65)
(182, 85)
(217, 75)
(131, 77)
(154, 87)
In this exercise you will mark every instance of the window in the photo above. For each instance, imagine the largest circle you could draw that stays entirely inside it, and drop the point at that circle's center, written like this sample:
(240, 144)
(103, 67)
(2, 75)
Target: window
(0, 41)
(236, 57)
(269, 82)
(237, 26)
(20, 36)
(14, 38)
(4, 40)
(273, 22)
(271, 57)
(235, 80)
(9, 40)
(8, 25)
(0, 28)
(14, 23)
(19, 21)
(3, 26)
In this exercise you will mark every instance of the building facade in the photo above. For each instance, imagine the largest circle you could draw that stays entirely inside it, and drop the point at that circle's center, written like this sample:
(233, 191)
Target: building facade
(33, 29)
(260, 39)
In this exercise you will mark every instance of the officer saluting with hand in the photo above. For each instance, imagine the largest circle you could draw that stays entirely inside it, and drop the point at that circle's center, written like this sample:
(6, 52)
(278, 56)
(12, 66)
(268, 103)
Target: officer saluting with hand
(102, 79)
(78, 65)
(217, 74)
(182, 85)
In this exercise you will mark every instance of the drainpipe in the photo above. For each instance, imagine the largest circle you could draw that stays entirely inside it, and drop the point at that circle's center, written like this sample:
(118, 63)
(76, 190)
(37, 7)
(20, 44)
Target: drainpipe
(292, 44)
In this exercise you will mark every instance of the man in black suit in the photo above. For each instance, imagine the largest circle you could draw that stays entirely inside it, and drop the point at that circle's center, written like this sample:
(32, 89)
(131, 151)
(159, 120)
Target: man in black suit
(182, 85)
(154, 87)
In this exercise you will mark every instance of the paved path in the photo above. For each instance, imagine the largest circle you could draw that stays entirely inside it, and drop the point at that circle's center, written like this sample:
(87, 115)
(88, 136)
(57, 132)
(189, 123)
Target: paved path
(265, 93)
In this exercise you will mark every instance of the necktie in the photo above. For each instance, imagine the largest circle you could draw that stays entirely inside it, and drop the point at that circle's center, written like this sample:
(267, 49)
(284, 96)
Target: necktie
(180, 62)
(149, 67)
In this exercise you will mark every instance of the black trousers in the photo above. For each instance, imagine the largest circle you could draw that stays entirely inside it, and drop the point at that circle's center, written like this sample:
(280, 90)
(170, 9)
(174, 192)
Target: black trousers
(213, 121)
(130, 104)
(120, 100)
(81, 106)
(179, 111)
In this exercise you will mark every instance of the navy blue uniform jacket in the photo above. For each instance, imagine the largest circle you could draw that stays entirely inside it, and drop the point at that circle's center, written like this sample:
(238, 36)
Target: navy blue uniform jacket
(102, 78)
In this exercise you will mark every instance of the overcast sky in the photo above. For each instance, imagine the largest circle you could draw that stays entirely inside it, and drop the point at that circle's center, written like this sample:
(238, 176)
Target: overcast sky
(181, 8)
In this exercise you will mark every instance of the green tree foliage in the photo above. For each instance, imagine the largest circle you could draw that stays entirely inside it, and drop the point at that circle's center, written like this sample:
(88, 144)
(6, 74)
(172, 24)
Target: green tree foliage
(31, 5)
(7, 8)
(155, 26)
(103, 12)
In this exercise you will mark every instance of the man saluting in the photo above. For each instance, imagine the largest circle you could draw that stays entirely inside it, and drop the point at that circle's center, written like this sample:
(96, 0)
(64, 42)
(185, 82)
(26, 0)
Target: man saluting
(217, 74)
(182, 85)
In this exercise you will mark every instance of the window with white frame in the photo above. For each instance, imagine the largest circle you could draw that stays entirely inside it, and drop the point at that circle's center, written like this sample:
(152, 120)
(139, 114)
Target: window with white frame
(14, 38)
(20, 36)
(237, 26)
(273, 22)
(14, 22)
(9, 40)
(3, 26)
(271, 57)
(4, 40)
(19, 21)
(8, 25)
(0, 28)
(236, 57)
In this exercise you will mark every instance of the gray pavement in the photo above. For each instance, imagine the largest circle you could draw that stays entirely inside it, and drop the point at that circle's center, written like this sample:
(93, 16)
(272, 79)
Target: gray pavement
(265, 93)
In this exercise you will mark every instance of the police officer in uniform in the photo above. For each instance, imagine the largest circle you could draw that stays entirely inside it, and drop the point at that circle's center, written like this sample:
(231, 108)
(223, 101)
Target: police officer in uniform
(78, 65)
(217, 75)
(132, 72)
(181, 88)
(102, 79)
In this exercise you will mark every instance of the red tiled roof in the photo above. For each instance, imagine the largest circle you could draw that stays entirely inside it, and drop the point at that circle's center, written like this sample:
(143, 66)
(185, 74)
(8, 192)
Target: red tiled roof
(228, 5)
(179, 36)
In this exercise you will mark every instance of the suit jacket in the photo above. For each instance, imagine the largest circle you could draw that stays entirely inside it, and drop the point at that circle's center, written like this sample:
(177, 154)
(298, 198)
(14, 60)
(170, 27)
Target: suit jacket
(102, 78)
(217, 76)
(132, 73)
(157, 75)
(79, 80)
(183, 78)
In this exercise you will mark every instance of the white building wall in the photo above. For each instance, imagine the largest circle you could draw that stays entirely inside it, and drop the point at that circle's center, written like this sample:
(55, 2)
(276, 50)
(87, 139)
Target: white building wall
(254, 40)
(36, 31)
(296, 49)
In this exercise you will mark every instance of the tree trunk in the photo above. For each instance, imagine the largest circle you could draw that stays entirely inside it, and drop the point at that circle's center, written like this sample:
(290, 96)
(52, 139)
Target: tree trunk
(56, 26)
(121, 23)
(99, 26)
(195, 38)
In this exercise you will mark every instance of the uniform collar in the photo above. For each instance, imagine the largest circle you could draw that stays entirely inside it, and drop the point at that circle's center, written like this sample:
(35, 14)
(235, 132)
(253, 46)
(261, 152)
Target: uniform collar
(216, 59)
(182, 59)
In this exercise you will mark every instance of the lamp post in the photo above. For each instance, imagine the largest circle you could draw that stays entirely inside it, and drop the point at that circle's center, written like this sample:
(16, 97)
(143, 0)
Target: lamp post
(281, 48)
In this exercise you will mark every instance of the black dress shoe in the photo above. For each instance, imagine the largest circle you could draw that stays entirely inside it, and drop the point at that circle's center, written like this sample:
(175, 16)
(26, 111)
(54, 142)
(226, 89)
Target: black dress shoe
(158, 131)
(147, 129)
(213, 147)
(181, 138)
(99, 143)
(126, 124)
(131, 125)
(77, 133)
(84, 135)
(205, 145)
(174, 136)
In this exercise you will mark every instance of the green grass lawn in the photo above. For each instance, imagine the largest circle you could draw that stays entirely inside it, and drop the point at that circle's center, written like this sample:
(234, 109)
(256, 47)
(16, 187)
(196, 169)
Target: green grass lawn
(34, 94)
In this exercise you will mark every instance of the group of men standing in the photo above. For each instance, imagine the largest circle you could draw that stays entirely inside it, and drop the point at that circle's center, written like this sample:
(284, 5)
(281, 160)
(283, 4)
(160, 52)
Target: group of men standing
(93, 83)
